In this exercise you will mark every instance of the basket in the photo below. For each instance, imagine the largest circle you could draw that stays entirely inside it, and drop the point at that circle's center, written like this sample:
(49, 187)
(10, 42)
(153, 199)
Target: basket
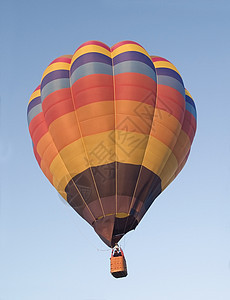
(118, 266)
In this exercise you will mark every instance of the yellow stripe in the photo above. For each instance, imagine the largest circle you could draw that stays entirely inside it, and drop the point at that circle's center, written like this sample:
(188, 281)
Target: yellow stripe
(35, 94)
(100, 149)
(56, 66)
(156, 155)
(179, 153)
(180, 167)
(129, 47)
(63, 194)
(169, 170)
(187, 93)
(95, 109)
(60, 173)
(182, 146)
(166, 184)
(88, 49)
(130, 147)
(165, 64)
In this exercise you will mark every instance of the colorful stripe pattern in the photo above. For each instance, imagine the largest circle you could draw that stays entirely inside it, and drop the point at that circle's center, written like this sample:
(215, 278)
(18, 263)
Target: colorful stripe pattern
(111, 128)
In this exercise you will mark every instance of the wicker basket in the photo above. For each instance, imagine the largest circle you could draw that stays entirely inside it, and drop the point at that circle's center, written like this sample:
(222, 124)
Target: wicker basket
(118, 266)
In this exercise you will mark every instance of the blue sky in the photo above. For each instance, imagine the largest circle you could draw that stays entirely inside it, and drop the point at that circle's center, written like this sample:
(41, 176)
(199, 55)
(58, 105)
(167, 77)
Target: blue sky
(181, 249)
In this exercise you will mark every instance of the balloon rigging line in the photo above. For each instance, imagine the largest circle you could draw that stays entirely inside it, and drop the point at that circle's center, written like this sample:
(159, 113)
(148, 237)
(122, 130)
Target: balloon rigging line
(83, 143)
(140, 171)
(115, 132)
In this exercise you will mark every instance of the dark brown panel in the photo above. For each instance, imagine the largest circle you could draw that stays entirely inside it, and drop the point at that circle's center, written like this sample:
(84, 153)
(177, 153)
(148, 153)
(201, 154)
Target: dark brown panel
(111, 228)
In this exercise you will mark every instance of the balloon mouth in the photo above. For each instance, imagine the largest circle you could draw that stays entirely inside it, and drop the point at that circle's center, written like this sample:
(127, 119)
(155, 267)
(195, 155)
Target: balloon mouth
(111, 229)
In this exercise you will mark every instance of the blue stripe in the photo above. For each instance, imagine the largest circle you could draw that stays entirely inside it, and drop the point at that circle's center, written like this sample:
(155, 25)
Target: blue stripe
(169, 72)
(90, 57)
(190, 101)
(34, 112)
(53, 76)
(90, 69)
(33, 103)
(134, 56)
(172, 82)
(134, 67)
(53, 86)
(191, 109)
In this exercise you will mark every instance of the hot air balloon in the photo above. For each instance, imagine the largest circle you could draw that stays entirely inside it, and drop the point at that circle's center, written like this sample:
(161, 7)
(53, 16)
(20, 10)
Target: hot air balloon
(111, 129)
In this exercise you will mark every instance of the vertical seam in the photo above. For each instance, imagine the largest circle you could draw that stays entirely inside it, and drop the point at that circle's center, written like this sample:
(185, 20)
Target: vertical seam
(115, 133)
(84, 146)
(139, 175)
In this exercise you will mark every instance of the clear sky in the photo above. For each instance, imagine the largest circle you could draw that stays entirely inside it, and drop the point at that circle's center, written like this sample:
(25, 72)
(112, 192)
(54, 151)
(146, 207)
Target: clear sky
(181, 249)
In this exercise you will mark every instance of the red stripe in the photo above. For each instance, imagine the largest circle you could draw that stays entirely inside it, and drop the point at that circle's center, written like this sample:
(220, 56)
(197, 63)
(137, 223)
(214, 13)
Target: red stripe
(136, 87)
(58, 110)
(189, 125)
(170, 100)
(124, 43)
(61, 59)
(37, 128)
(96, 43)
(57, 104)
(92, 88)
(37, 156)
(158, 58)
(35, 122)
(38, 88)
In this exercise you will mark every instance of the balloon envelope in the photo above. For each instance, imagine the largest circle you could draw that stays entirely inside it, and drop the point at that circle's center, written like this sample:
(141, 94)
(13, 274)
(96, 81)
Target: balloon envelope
(111, 128)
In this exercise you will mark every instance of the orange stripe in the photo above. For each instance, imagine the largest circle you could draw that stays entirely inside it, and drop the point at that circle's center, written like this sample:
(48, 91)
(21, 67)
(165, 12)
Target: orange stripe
(165, 128)
(50, 154)
(64, 130)
(129, 107)
(137, 117)
(95, 109)
(134, 116)
(130, 123)
(47, 149)
(97, 125)
(43, 143)
(46, 171)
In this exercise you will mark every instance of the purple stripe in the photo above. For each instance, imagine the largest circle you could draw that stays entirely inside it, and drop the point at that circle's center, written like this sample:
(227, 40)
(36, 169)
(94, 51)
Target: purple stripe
(169, 72)
(134, 56)
(90, 57)
(54, 75)
(190, 100)
(33, 103)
